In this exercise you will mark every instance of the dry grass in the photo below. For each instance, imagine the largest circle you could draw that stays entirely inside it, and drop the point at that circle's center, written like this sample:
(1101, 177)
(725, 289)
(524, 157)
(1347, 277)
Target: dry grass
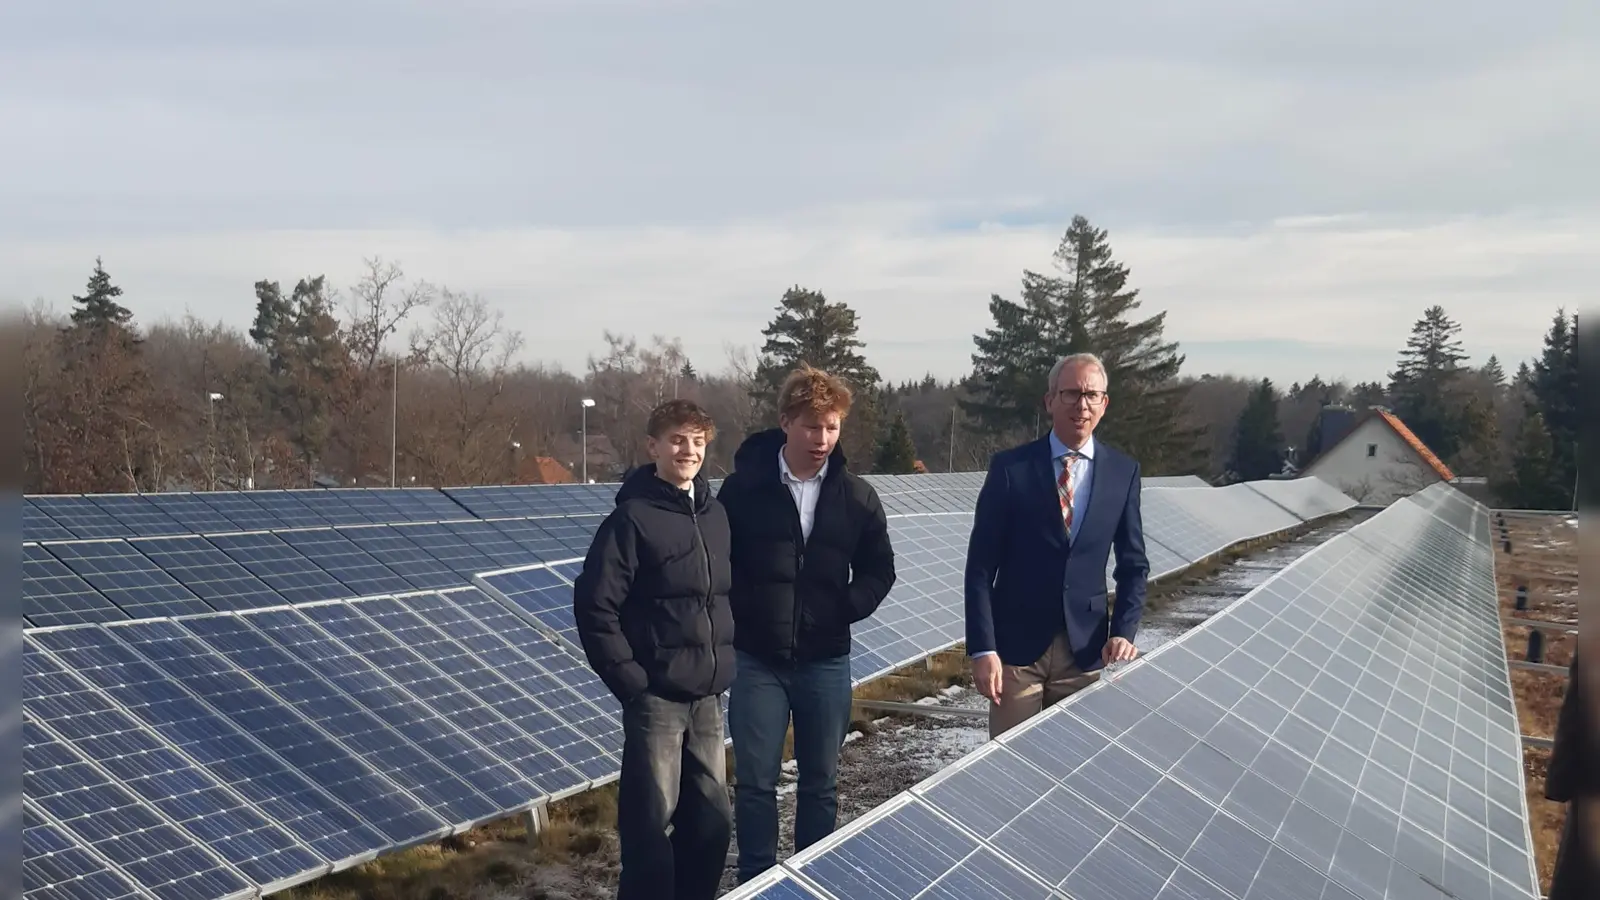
(1544, 559)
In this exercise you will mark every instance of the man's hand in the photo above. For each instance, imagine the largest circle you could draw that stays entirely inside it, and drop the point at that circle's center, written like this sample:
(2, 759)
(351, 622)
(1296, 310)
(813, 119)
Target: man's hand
(986, 675)
(1118, 650)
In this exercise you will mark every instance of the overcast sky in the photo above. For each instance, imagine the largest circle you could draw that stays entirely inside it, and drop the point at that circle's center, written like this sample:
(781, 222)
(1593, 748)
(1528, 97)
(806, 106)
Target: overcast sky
(1292, 181)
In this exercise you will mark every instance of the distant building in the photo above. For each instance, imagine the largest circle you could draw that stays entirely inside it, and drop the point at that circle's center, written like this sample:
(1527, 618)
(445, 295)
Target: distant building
(1378, 460)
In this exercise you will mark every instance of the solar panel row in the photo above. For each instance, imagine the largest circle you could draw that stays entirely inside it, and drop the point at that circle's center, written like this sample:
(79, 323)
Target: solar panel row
(260, 747)
(1345, 731)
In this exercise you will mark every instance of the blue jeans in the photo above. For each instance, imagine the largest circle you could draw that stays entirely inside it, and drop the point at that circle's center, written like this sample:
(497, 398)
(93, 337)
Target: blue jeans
(759, 705)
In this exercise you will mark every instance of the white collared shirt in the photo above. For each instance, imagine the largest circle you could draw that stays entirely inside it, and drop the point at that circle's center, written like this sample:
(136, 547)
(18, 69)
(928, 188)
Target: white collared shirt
(1082, 472)
(805, 492)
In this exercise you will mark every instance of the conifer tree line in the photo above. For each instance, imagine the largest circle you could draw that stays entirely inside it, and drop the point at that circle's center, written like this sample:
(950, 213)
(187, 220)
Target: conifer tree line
(397, 380)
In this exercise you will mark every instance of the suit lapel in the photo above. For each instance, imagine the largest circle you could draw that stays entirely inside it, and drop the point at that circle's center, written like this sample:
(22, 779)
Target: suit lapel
(1044, 470)
(1099, 478)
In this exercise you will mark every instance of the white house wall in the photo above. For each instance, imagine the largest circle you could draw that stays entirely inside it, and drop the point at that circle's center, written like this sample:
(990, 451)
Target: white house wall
(1392, 471)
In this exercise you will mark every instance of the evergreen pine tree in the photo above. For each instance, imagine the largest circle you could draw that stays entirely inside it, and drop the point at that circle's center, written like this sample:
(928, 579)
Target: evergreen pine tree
(809, 329)
(1493, 372)
(1533, 485)
(1554, 383)
(1087, 308)
(897, 454)
(307, 361)
(1425, 381)
(98, 307)
(1258, 441)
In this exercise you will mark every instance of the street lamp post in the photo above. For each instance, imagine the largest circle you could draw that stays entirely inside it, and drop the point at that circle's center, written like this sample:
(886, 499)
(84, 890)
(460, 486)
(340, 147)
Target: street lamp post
(211, 420)
(586, 403)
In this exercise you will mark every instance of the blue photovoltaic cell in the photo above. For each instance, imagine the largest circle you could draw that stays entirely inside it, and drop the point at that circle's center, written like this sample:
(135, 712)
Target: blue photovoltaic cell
(114, 823)
(335, 554)
(540, 593)
(301, 740)
(489, 629)
(404, 558)
(448, 548)
(542, 545)
(281, 567)
(81, 515)
(55, 866)
(509, 681)
(53, 595)
(575, 533)
(208, 572)
(195, 515)
(141, 762)
(287, 509)
(421, 678)
(420, 505)
(367, 507)
(1345, 730)
(228, 753)
(129, 579)
(494, 543)
(38, 526)
(240, 508)
(332, 507)
(138, 514)
(351, 723)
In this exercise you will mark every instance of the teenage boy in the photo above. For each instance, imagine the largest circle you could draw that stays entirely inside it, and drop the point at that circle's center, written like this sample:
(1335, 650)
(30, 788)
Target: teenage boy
(811, 556)
(654, 619)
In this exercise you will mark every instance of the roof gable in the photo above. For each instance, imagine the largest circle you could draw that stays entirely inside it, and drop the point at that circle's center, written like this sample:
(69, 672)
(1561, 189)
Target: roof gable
(1415, 443)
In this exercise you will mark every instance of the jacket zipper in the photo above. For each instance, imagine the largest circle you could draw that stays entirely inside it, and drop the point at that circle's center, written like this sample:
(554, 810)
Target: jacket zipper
(797, 531)
(711, 622)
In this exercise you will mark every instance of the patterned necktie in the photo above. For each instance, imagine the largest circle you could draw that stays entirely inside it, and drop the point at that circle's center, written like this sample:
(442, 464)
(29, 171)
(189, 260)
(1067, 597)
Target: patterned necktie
(1064, 489)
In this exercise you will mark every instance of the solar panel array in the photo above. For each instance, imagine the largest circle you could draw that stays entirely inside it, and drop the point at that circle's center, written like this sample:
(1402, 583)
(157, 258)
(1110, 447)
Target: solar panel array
(231, 693)
(1346, 730)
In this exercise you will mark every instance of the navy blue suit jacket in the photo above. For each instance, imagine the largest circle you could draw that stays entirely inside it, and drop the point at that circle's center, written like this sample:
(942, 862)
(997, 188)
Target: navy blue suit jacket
(1024, 584)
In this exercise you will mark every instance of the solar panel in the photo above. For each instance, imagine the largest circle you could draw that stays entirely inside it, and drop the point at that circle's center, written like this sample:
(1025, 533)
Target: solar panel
(287, 509)
(335, 759)
(1308, 497)
(485, 626)
(209, 573)
(129, 579)
(241, 508)
(493, 542)
(575, 533)
(1345, 730)
(81, 516)
(139, 761)
(404, 558)
(195, 515)
(921, 614)
(367, 721)
(56, 866)
(332, 507)
(534, 539)
(118, 827)
(280, 566)
(504, 744)
(448, 548)
(507, 681)
(332, 552)
(138, 514)
(53, 595)
(230, 754)
(540, 593)
(1172, 526)
(419, 505)
(38, 526)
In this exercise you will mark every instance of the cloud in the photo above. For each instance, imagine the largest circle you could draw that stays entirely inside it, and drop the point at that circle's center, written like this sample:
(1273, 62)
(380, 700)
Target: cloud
(1270, 171)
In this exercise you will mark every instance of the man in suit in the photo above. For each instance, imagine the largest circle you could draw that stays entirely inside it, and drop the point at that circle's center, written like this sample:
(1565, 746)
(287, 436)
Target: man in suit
(1039, 627)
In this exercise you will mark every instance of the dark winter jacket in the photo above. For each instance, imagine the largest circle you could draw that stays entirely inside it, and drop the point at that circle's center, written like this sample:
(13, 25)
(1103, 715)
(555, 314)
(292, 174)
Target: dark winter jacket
(794, 600)
(652, 599)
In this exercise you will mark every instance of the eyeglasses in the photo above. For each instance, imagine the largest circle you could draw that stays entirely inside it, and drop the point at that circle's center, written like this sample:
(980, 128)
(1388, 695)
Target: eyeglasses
(1071, 396)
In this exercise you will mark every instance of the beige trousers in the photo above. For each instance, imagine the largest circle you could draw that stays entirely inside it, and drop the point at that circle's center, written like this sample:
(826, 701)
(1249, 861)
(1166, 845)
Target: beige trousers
(1026, 690)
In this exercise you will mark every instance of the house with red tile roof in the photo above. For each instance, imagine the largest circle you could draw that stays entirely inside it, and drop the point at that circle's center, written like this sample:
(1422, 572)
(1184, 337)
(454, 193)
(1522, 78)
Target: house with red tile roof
(1379, 460)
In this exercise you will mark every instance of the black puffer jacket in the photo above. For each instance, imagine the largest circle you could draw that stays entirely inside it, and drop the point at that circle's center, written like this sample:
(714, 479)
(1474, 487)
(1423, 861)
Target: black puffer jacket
(794, 600)
(652, 599)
